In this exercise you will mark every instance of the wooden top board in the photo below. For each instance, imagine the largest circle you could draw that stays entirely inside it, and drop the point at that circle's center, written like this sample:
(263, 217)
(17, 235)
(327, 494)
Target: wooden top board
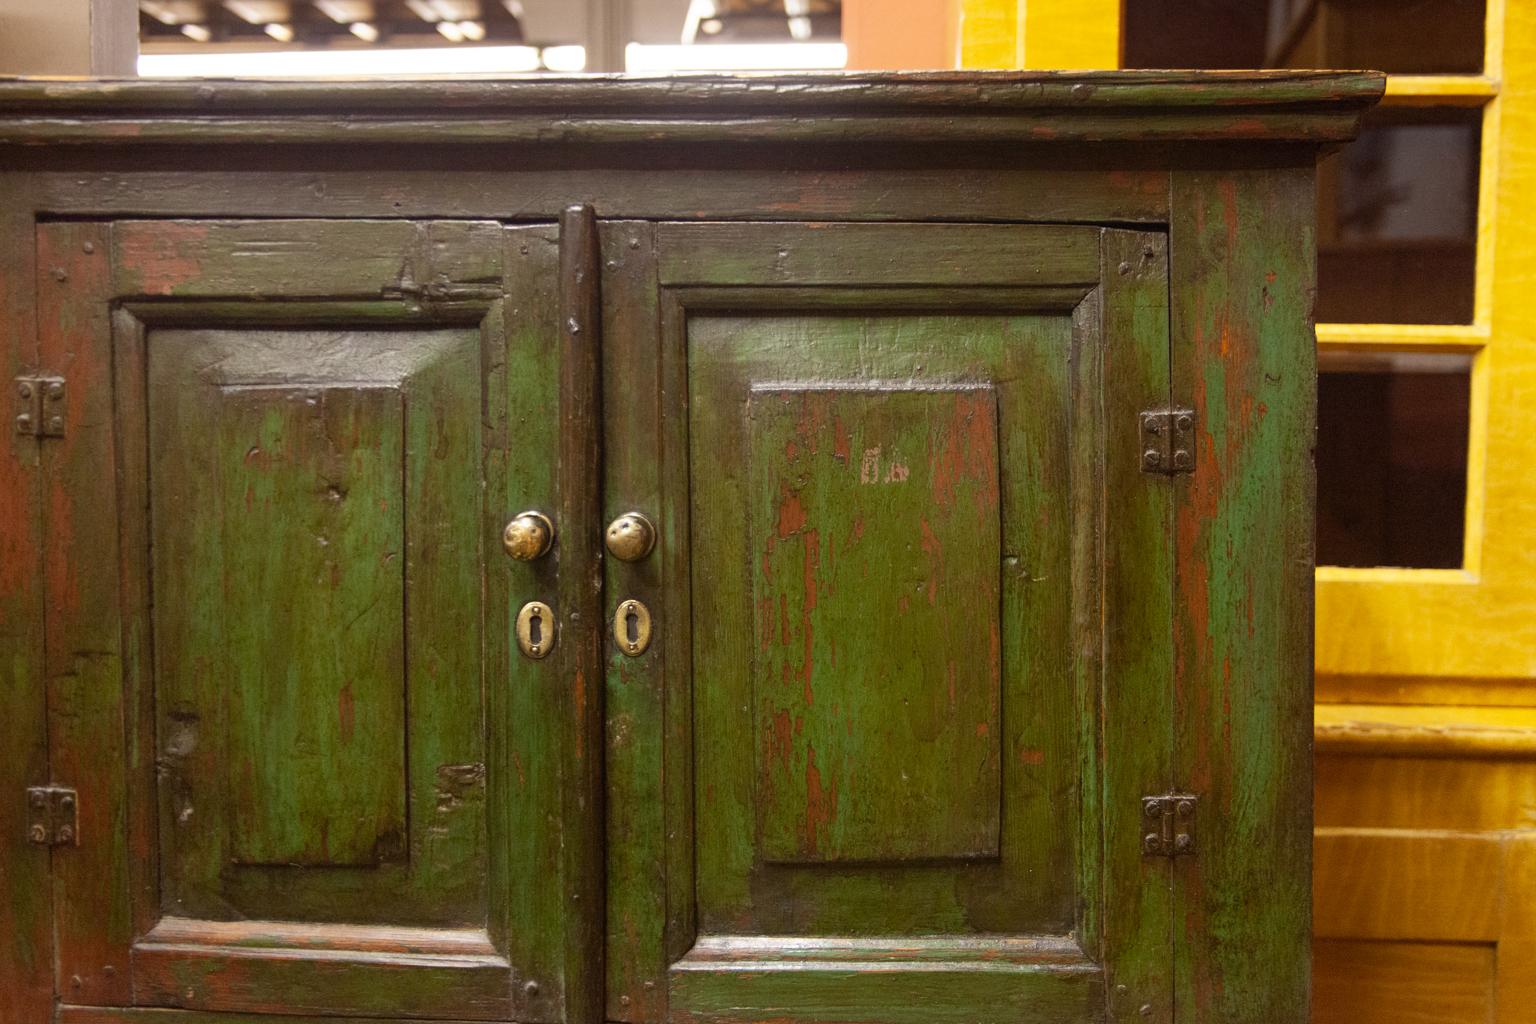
(942, 106)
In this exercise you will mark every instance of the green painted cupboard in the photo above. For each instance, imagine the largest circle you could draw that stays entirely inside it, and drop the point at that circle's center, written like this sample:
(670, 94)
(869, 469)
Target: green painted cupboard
(832, 550)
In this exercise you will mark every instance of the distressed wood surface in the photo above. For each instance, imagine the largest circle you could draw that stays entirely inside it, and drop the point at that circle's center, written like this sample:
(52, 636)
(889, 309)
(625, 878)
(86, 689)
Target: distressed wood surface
(865, 107)
(921, 458)
(1128, 571)
(525, 802)
(275, 444)
(26, 893)
(635, 460)
(579, 589)
(982, 183)
(1244, 360)
(723, 329)
(84, 634)
(147, 1015)
(964, 818)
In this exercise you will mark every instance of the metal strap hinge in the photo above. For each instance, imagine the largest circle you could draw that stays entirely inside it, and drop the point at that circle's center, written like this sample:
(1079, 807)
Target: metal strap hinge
(1168, 824)
(1168, 441)
(53, 816)
(40, 406)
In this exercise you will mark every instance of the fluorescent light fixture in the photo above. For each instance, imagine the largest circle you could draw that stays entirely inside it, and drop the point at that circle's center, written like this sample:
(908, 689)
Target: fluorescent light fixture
(364, 30)
(282, 33)
(565, 58)
(450, 31)
(441, 60)
(198, 32)
(656, 59)
(474, 31)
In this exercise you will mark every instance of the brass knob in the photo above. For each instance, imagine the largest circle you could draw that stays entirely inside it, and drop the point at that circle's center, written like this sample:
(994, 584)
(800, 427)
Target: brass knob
(528, 536)
(630, 537)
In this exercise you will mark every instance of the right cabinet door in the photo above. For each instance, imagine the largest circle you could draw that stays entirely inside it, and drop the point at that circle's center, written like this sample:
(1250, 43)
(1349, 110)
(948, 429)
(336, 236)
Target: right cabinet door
(912, 598)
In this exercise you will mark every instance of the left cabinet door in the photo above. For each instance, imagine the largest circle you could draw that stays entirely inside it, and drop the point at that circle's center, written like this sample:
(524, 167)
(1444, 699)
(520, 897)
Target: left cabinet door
(278, 617)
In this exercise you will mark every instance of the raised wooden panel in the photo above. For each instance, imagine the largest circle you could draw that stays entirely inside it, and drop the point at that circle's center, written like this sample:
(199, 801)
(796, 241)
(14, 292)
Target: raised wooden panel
(877, 670)
(1402, 982)
(331, 652)
(968, 466)
(297, 566)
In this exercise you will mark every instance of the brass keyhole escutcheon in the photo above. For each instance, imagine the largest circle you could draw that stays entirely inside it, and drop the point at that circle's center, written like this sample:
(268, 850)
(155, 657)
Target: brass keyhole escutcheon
(632, 627)
(536, 629)
(528, 536)
(630, 537)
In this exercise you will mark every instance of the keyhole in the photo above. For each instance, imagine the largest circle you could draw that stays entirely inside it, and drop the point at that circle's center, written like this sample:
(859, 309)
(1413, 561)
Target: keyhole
(535, 631)
(631, 626)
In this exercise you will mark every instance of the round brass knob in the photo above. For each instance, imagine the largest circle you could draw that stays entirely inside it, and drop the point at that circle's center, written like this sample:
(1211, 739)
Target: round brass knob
(528, 536)
(630, 537)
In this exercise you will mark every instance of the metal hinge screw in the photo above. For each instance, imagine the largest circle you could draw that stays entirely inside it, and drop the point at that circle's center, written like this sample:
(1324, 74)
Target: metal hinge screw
(51, 816)
(1167, 441)
(1170, 825)
(40, 406)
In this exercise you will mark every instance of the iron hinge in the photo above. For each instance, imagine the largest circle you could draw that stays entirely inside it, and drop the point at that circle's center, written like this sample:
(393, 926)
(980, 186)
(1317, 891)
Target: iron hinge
(1168, 441)
(52, 816)
(1168, 825)
(40, 406)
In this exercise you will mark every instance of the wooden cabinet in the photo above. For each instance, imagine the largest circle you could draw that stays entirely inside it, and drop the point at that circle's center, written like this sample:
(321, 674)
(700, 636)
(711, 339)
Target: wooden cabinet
(952, 664)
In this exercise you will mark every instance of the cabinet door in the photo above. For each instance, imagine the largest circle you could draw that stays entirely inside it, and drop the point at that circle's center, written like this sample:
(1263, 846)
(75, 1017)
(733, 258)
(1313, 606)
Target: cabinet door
(278, 617)
(884, 759)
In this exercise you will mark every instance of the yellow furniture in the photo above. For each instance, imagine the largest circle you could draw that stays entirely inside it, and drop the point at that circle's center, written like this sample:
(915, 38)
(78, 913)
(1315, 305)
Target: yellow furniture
(1425, 874)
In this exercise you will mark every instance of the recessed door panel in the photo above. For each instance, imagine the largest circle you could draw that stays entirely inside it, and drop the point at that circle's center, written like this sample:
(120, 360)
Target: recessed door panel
(899, 705)
(314, 504)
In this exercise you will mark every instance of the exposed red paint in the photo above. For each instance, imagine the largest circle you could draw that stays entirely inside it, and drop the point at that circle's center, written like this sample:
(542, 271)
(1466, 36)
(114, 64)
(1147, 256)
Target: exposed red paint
(779, 739)
(982, 729)
(791, 450)
(807, 606)
(784, 619)
(813, 415)
(165, 257)
(17, 535)
(520, 769)
(1029, 755)
(964, 450)
(345, 712)
(841, 443)
(935, 552)
(765, 625)
(950, 673)
(63, 586)
(820, 801)
(791, 513)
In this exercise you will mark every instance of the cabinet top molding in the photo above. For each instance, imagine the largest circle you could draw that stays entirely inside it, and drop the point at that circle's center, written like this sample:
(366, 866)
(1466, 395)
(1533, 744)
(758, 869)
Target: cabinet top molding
(917, 107)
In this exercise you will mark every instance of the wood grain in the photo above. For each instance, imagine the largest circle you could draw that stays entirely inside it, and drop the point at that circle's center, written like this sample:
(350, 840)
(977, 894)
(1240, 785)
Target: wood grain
(1244, 360)
(579, 473)
(1408, 982)
(868, 107)
(26, 904)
